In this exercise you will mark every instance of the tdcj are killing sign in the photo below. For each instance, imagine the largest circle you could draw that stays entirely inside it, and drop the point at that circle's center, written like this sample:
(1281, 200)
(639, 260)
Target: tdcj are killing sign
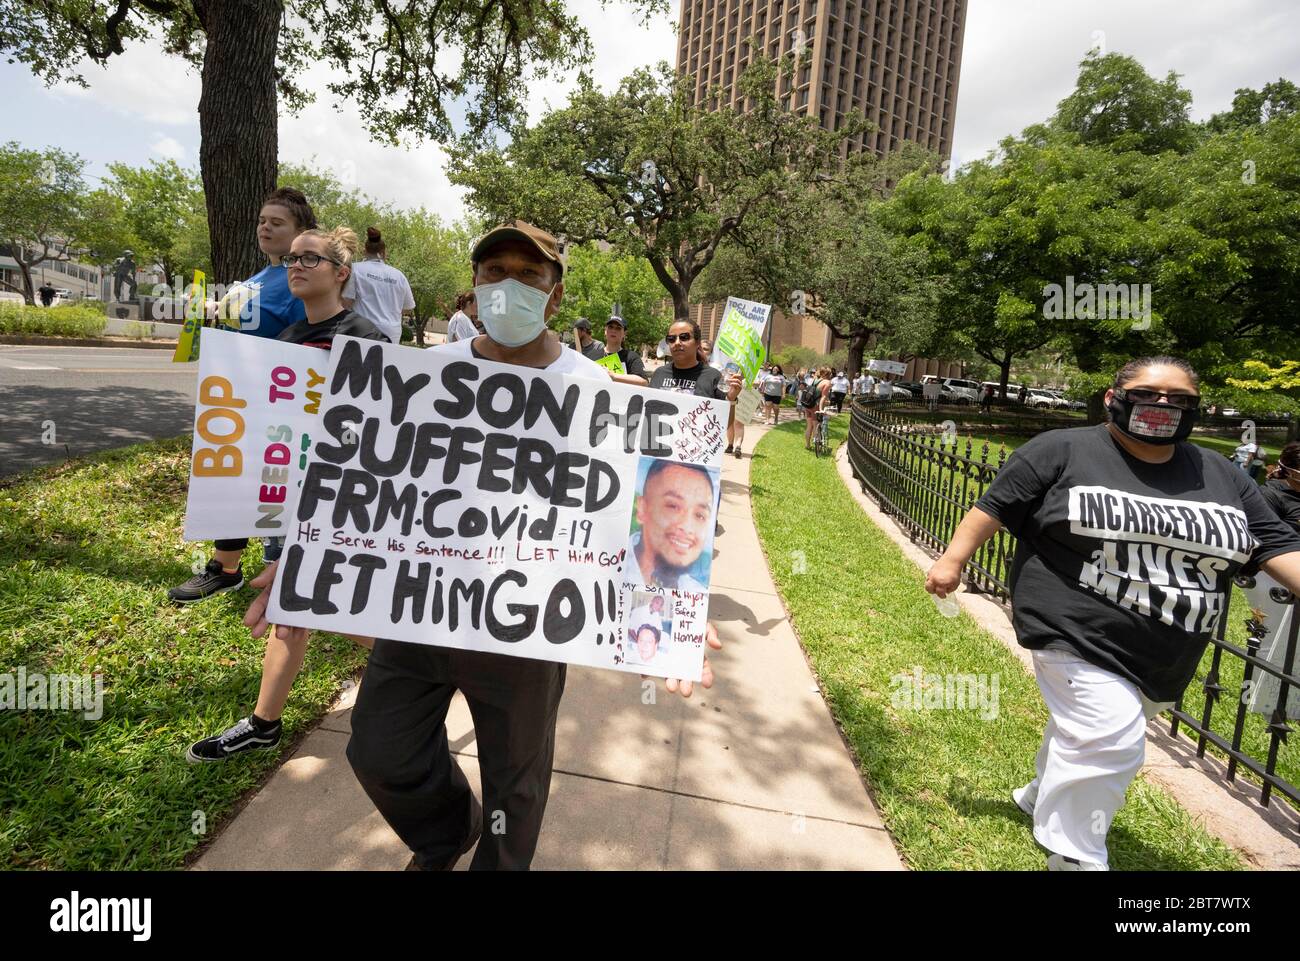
(455, 501)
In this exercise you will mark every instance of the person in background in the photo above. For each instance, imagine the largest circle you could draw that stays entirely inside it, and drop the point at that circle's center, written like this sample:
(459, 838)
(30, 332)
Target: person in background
(47, 294)
(986, 400)
(773, 387)
(688, 374)
(813, 399)
(615, 332)
(1245, 455)
(839, 390)
(262, 306)
(584, 343)
(378, 292)
(319, 263)
(1023, 395)
(463, 324)
(1117, 623)
(1282, 489)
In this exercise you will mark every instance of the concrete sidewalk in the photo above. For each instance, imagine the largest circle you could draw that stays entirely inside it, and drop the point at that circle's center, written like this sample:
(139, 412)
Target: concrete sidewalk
(750, 775)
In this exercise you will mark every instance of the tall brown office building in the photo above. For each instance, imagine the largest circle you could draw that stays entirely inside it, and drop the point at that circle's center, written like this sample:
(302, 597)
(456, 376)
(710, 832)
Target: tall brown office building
(896, 62)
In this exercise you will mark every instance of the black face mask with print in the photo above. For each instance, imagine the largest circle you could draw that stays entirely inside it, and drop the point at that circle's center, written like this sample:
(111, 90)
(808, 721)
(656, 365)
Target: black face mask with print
(1159, 424)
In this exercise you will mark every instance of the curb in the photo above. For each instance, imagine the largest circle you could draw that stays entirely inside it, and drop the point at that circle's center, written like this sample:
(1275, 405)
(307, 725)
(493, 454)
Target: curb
(34, 341)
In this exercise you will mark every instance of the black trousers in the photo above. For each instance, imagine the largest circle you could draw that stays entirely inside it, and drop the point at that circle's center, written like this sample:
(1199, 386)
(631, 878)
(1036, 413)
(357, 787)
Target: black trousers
(399, 749)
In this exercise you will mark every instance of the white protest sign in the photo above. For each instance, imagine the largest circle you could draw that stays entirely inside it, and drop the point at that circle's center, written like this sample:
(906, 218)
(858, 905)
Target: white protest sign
(747, 405)
(739, 346)
(493, 507)
(887, 366)
(256, 409)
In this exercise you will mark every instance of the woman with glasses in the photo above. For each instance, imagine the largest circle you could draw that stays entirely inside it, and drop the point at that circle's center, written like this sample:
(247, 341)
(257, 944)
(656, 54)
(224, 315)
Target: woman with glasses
(688, 374)
(319, 263)
(1127, 539)
(262, 306)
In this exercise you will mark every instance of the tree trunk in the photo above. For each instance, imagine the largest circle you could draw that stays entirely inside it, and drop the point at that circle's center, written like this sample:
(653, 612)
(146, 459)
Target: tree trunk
(1005, 374)
(1097, 407)
(29, 285)
(238, 136)
(857, 347)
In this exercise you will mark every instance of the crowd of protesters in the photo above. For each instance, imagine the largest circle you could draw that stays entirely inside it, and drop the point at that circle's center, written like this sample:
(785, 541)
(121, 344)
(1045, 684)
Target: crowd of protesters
(1106, 659)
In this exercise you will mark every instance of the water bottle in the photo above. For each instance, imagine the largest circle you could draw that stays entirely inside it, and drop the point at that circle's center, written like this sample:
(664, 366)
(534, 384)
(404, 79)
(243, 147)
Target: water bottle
(948, 606)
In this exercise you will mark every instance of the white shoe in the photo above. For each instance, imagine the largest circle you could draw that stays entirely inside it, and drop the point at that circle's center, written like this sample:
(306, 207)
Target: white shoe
(1059, 862)
(1026, 797)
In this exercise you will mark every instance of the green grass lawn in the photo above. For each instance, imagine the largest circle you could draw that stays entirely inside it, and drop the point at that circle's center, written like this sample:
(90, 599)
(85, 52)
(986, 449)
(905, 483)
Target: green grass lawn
(941, 777)
(87, 552)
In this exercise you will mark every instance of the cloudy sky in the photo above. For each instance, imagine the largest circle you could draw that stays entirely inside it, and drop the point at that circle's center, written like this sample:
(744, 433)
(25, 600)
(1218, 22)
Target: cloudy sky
(1020, 58)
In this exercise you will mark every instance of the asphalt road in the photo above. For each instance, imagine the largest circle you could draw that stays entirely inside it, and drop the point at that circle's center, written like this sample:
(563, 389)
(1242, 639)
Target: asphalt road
(60, 402)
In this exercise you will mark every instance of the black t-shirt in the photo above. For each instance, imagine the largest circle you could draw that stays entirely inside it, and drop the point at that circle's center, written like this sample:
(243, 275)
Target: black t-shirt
(1125, 563)
(47, 293)
(632, 361)
(1284, 500)
(700, 380)
(345, 322)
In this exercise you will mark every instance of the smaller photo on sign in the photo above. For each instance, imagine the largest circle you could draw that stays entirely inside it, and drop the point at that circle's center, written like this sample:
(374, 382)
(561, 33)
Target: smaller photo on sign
(648, 629)
(670, 544)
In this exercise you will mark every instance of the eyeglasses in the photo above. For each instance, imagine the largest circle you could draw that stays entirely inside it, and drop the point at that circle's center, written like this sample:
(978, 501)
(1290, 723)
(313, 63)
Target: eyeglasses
(674, 338)
(1139, 395)
(307, 260)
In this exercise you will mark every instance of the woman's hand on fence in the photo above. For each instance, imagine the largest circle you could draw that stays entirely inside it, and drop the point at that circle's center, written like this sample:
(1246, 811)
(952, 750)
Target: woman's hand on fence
(944, 577)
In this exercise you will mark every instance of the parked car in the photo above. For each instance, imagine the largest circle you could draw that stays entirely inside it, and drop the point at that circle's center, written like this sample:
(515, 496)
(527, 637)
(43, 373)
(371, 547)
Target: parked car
(1069, 404)
(964, 391)
(1230, 412)
(1042, 398)
(910, 386)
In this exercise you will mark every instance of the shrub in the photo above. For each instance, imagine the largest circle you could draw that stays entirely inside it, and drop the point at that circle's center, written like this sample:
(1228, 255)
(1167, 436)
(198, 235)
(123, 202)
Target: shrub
(71, 321)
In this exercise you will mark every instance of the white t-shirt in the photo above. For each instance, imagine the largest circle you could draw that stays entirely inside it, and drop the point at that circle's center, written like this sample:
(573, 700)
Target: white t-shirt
(883, 389)
(380, 293)
(569, 361)
(460, 327)
(840, 385)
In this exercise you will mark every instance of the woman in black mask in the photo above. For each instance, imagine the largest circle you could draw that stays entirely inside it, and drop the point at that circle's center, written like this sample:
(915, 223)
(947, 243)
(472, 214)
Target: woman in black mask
(1127, 541)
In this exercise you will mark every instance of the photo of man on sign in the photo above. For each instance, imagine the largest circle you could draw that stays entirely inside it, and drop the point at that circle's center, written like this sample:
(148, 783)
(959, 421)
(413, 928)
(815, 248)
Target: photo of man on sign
(672, 531)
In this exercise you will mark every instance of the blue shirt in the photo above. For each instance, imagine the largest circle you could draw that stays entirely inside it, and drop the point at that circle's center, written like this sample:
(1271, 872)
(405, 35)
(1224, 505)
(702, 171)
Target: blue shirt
(264, 302)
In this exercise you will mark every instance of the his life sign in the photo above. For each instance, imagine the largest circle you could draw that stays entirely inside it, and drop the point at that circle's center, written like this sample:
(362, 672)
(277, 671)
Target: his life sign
(256, 411)
(469, 504)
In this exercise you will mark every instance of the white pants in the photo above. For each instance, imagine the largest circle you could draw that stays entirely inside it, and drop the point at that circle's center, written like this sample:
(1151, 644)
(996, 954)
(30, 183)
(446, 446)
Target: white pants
(1093, 747)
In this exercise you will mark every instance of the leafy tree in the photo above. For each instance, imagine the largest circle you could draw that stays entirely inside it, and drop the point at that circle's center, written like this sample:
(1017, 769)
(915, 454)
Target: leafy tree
(406, 66)
(435, 259)
(160, 201)
(1117, 104)
(595, 280)
(1250, 108)
(47, 214)
(653, 173)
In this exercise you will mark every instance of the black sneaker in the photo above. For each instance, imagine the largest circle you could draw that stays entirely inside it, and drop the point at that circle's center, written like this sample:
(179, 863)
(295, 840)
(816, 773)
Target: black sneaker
(212, 581)
(729, 448)
(242, 737)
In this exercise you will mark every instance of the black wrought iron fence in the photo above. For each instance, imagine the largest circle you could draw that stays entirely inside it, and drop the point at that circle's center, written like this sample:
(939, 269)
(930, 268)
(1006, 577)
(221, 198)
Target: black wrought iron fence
(926, 478)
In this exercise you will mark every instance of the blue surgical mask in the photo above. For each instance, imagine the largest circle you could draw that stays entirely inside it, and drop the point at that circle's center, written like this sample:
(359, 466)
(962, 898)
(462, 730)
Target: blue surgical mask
(513, 313)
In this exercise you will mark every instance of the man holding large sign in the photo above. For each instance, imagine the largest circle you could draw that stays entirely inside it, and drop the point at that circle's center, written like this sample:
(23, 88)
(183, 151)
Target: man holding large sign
(508, 408)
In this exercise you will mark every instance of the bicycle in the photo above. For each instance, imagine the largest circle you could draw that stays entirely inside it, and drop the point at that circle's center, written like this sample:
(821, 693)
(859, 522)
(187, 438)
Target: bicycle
(821, 436)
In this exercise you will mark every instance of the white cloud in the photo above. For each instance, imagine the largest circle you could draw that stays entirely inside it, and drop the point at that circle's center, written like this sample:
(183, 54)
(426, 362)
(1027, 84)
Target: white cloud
(142, 82)
(169, 148)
